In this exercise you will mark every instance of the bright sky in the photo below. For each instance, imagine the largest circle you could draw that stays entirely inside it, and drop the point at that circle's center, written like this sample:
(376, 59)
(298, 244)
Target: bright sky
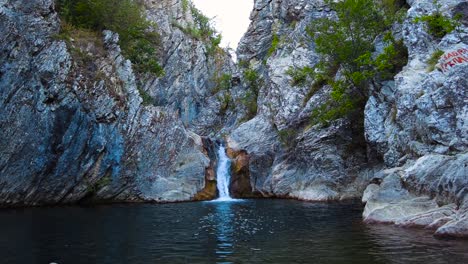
(231, 18)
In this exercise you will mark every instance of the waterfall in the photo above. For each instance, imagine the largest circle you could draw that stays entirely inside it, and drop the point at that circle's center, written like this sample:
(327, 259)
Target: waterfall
(223, 174)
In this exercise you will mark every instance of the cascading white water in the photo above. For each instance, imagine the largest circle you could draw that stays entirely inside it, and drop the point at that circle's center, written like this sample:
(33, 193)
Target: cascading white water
(223, 174)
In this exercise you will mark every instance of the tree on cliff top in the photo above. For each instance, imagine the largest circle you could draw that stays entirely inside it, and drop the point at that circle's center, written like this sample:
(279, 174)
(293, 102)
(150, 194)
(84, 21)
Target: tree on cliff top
(347, 43)
(137, 39)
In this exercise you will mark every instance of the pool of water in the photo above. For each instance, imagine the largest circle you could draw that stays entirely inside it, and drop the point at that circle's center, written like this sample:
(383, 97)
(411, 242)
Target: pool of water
(248, 231)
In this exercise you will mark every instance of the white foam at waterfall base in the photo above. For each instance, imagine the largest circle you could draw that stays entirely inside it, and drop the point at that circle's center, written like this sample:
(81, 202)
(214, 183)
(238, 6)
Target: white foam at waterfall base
(223, 176)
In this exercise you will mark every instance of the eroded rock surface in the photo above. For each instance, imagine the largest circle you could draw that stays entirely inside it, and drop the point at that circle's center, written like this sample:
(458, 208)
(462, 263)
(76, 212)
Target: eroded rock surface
(419, 123)
(73, 124)
(415, 125)
(289, 157)
(74, 129)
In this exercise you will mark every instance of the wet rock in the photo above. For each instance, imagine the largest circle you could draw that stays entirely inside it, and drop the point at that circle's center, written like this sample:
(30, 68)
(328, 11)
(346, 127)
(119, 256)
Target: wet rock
(401, 200)
(418, 123)
(288, 156)
(240, 186)
(73, 127)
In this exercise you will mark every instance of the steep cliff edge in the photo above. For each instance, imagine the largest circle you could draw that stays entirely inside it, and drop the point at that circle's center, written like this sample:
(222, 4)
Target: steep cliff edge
(290, 156)
(79, 124)
(411, 147)
(74, 125)
(418, 125)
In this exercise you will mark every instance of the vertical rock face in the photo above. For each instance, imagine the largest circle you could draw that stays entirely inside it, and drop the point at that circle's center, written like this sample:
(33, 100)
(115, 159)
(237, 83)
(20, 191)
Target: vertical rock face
(414, 126)
(423, 110)
(289, 155)
(74, 126)
(189, 85)
(418, 124)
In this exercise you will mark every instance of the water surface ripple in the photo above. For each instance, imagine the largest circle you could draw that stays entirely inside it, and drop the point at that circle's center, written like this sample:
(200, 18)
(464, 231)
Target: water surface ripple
(247, 231)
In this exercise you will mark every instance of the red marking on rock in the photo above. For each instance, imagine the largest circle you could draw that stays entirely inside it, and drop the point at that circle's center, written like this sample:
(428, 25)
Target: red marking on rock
(452, 58)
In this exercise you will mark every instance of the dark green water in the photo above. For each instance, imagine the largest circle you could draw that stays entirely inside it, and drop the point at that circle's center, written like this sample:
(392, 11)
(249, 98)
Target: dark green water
(250, 231)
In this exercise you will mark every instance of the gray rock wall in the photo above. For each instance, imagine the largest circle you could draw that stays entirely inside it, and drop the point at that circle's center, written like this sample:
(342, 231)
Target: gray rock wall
(73, 126)
(290, 157)
(414, 126)
(418, 124)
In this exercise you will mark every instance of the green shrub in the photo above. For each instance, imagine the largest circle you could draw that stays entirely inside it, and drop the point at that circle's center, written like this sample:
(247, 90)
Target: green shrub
(125, 17)
(438, 25)
(202, 23)
(213, 45)
(274, 45)
(287, 136)
(392, 60)
(252, 79)
(348, 44)
(225, 103)
(243, 64)
(341, 105)
(98, 185)
(222, 83)
(434, 59)
(249, 100)
(147, 99)
(300, 75)
(185, 5)
(200, 29)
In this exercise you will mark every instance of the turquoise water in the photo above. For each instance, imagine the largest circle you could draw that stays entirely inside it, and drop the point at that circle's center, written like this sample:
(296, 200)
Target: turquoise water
(248, 231)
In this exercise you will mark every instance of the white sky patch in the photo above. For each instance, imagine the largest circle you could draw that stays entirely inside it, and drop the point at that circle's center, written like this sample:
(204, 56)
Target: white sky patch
(231, 18)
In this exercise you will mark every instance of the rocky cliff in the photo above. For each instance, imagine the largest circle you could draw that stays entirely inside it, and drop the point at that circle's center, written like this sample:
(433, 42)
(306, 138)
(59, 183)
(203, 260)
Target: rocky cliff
(291, 157)
(417, 123)
(414, 150)
(78, 124)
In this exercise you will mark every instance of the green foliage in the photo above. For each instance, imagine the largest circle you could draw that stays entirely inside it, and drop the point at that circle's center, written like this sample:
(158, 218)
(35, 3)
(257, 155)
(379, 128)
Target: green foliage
(225, 102)
(293, 24)
(249, 100)
(252, 78)
(101, 183)
(142, 53)
(438, 25)
(125, 17)
(147, 99)
(201, 29)
(213, 45)
(392, 60)
(434, 59)
(348, 44)
(274, 45)
(202, 22)
(223, 83)
(243, 64)
(345, 40)
(287, 136)
(341, 105)
(300, 76)
(185, 5)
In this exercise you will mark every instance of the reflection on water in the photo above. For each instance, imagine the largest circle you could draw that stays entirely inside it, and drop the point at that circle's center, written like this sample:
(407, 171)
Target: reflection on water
(224, 230)
(245, 231)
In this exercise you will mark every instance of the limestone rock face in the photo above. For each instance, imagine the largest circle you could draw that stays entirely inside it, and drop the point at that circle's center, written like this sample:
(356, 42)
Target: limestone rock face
(289, 157)
(189, 85)
(424, 111)
(415, 131)
(76, 129)
(418, 123)
(430, 194)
